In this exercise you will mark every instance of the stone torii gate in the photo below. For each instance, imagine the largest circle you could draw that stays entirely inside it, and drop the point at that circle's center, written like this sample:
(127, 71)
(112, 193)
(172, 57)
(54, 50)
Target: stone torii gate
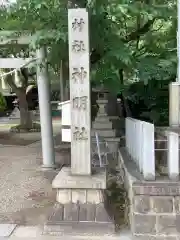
(24, 38)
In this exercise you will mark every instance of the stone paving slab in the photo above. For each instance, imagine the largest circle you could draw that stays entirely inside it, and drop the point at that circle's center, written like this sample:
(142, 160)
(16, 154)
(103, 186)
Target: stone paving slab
(72, 238)
(80, 229)
(27, 231)
(35, 232)
(6, 229)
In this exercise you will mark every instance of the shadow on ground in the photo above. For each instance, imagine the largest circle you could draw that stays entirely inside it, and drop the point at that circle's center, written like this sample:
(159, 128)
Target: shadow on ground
(18, 139)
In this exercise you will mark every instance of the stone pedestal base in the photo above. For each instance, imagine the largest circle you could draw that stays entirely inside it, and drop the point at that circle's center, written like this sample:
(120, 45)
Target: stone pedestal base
(80, 199)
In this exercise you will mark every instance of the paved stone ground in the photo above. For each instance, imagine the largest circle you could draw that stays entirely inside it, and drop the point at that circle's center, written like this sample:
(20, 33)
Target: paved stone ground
(12, 231)
(26, 194)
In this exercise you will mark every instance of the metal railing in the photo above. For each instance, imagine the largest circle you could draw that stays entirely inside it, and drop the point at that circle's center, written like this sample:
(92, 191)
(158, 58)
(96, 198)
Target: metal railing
(99, 152)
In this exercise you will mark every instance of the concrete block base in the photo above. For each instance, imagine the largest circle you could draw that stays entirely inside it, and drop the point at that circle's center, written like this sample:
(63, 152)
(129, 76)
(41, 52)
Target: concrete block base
(80, 199)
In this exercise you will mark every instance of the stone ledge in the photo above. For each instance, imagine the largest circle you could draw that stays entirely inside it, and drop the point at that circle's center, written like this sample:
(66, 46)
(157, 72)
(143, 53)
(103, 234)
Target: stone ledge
(65, 180)
(80, 229)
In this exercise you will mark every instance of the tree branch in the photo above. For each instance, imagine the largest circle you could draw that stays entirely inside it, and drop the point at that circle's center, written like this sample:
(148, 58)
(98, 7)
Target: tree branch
(140, 31)
(96, 56)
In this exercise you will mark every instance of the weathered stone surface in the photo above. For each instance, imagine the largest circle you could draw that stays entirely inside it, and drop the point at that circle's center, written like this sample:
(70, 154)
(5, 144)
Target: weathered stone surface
(162, 204)
(80, 150)
(82, 212)
(71, 212)
(101, 214)
(87, 212)
(178, 223)
(86, 229)
(102, 125)
(57, 214)
(141, 204)
(78, 195)
(177, 204)
(63, 196)
(94, 196)
(144, 224)
(155, 205)
(157, 188)
(64, 180)
(102, 118)
(167, 225)
(27, 231)
(6, 229)
(156, 237)
(104, 132)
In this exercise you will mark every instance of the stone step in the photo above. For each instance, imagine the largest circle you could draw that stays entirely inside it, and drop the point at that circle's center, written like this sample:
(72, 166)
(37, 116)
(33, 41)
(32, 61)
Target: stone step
(105, 117)
(103, 132)
(78, 230)
(101, 118)
(102, 125)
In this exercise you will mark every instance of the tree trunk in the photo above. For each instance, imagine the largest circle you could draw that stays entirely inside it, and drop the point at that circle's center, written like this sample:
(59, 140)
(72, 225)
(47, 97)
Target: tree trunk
(125, 102)
(61, 82)
(25, 114)
(65, 76)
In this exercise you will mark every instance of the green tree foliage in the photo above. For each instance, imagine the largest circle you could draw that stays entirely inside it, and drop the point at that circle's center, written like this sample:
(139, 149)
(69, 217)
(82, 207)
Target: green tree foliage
(129, 40)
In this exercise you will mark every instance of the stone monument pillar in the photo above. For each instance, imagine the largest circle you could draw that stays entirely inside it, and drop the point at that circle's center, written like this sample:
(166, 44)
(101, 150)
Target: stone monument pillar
(79, 92)
(79, 190)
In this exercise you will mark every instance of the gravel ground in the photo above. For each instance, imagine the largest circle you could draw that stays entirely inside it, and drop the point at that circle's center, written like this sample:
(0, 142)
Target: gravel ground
(26, 194)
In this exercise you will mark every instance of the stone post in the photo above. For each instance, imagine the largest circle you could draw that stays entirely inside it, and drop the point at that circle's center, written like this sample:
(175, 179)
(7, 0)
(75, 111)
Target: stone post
(45, 110)
(174, 104)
